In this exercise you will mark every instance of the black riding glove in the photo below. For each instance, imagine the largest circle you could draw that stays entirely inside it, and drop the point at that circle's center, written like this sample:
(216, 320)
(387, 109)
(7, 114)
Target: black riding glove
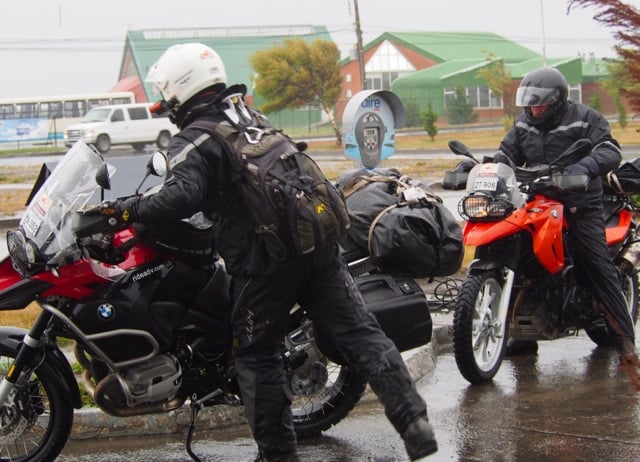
(118, 209)
(587, 166)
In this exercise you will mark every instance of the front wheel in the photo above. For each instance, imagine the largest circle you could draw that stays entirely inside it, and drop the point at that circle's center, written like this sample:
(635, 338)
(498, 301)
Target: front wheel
(36, 420)
(479, 335)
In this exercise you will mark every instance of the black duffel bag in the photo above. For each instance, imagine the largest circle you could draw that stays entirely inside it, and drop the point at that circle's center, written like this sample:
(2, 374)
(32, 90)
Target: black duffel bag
(626, 178)
(401, 224)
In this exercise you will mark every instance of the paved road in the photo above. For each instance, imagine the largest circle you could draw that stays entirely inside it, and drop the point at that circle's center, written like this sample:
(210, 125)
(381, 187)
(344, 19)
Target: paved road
(568, 403)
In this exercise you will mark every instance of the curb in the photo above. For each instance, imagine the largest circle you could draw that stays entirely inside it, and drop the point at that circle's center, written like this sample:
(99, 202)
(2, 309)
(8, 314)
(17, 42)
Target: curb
(93, 423)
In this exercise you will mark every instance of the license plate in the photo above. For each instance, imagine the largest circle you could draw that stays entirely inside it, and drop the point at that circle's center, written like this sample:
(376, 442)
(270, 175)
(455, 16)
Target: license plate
(489, 183)
(31, 223)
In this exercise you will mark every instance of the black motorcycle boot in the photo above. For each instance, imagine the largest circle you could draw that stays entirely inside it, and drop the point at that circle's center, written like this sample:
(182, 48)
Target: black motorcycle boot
(419, 440)
(521, 347)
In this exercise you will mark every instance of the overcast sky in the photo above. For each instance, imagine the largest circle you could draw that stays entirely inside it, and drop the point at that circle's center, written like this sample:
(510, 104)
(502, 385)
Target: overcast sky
(59, 47)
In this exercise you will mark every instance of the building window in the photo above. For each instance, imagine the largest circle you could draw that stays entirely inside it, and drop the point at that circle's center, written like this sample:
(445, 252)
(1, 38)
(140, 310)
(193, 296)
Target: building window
(347, 78)
(480, 97)
(575, 93)
(386, 65)
(381, 80)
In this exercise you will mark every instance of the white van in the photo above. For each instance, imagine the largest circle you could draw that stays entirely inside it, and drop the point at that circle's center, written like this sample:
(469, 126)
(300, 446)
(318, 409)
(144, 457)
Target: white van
(133, 124)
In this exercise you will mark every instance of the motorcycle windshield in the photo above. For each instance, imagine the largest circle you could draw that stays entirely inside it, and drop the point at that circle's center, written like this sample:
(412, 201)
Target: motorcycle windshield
(46, 222)
(495, 180)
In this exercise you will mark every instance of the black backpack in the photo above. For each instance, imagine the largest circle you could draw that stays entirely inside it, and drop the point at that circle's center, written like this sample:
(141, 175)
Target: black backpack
(296, 209)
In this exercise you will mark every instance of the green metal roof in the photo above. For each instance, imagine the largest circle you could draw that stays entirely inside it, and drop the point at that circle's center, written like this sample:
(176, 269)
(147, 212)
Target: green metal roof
(436, 76)
(571, 68)
(450, 46)
(594, 71)
(235, 45)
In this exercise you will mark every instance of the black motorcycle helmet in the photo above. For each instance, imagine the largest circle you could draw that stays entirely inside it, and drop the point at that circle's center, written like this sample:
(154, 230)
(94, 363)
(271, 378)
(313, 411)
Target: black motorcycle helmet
(541, 87)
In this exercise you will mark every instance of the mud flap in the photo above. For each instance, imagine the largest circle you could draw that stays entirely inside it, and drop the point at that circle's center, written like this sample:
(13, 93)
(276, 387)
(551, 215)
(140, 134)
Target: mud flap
(10, 341)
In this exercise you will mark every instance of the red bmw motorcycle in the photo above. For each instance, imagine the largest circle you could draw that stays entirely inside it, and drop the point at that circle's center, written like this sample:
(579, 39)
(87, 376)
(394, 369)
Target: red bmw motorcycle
(144, 346)
(522, 282)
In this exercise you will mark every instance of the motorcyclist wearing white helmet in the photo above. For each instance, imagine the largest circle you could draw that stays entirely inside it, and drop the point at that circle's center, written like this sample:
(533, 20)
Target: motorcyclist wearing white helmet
(193, 83)
(547, 126)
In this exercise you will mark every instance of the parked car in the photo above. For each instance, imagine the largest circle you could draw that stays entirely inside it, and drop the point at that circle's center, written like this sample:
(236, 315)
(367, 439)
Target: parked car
(133, 124)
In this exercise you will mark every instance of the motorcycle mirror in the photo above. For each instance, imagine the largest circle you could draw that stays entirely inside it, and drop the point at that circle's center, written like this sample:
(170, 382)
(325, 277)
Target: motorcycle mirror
(102, 177)
(158, 164)
(458, 147)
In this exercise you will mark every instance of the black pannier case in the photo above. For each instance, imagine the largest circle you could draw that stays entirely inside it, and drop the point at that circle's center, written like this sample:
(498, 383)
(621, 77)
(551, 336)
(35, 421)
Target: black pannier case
(400, 306)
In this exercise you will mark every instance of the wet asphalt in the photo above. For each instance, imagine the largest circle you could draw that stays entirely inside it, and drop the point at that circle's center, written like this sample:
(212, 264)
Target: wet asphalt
(570, 402)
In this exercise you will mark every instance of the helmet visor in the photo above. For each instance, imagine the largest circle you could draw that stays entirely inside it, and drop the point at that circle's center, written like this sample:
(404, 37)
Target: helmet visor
(534, 96)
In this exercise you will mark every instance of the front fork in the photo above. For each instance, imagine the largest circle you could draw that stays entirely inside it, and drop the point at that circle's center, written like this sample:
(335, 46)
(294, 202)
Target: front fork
(29, 347)
(505, 297)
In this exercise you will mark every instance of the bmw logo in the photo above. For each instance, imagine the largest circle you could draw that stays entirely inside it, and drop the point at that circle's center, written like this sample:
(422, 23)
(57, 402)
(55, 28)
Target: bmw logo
(106, 311)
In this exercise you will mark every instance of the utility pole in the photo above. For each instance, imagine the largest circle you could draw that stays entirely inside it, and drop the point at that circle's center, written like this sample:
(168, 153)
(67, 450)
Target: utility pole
(544, 38)
(363, 79)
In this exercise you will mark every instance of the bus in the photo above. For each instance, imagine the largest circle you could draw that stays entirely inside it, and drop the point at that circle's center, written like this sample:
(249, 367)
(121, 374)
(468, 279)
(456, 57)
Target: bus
(33, 121)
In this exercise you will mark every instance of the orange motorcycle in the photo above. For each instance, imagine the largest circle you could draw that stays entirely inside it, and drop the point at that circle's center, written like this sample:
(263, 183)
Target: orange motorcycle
(522, 282)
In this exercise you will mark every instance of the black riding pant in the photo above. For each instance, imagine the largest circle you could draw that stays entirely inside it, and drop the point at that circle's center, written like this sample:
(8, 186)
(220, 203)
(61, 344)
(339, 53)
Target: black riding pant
(592, 255)
(321, 283)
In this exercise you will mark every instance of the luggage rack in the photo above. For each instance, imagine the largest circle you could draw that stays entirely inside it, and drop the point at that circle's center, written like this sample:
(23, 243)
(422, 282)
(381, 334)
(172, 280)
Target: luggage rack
(440, 293)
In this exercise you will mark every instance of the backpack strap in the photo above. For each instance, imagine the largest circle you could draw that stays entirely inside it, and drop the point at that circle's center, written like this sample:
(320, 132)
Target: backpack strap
(212, 128)
(360, 182)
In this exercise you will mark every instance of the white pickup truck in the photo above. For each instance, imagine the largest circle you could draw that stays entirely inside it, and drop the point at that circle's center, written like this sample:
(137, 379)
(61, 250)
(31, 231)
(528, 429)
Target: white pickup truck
(133, 124)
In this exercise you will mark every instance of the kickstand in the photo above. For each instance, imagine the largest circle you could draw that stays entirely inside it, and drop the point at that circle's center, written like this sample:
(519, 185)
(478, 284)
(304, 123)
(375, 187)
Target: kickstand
(195, 407)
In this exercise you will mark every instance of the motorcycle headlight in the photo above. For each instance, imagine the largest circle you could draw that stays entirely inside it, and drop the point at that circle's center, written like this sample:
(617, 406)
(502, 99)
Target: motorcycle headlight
(484, 208)
(24, 255)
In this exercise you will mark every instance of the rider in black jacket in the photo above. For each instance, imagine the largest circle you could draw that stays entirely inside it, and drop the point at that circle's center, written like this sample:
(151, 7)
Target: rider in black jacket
(192, 80)
(548, 125)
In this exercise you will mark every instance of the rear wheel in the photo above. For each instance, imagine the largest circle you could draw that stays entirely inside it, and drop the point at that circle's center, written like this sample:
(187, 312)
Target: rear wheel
(479, 336)
(323, 392)
(36, 421)
(138, 146)
(323, 395)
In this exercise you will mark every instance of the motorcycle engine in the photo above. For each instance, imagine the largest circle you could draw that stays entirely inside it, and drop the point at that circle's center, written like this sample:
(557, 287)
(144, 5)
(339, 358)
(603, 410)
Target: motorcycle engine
(155, 380)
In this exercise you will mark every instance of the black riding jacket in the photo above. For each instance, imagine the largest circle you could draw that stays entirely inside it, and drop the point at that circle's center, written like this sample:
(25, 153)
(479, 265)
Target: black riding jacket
(201, 179)
(527, 145)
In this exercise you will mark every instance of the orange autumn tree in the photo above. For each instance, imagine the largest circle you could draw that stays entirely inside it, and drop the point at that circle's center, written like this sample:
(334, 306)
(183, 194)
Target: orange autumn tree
(625, 20)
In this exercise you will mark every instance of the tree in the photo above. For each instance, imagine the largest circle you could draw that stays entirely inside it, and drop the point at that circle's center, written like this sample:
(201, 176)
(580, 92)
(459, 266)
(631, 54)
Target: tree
(429, 118)
(626, 20)
(460, 110)
(412, 114)
(594, 102)
(297, 74)
(622, 114)
(499, 79)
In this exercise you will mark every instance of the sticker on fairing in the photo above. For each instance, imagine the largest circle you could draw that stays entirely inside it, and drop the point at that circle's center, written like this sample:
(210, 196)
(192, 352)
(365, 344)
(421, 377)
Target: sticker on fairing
(31, 223)
(486, 183)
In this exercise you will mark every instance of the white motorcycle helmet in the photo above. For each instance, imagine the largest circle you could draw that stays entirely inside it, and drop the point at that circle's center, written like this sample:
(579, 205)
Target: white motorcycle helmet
(185, 69)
